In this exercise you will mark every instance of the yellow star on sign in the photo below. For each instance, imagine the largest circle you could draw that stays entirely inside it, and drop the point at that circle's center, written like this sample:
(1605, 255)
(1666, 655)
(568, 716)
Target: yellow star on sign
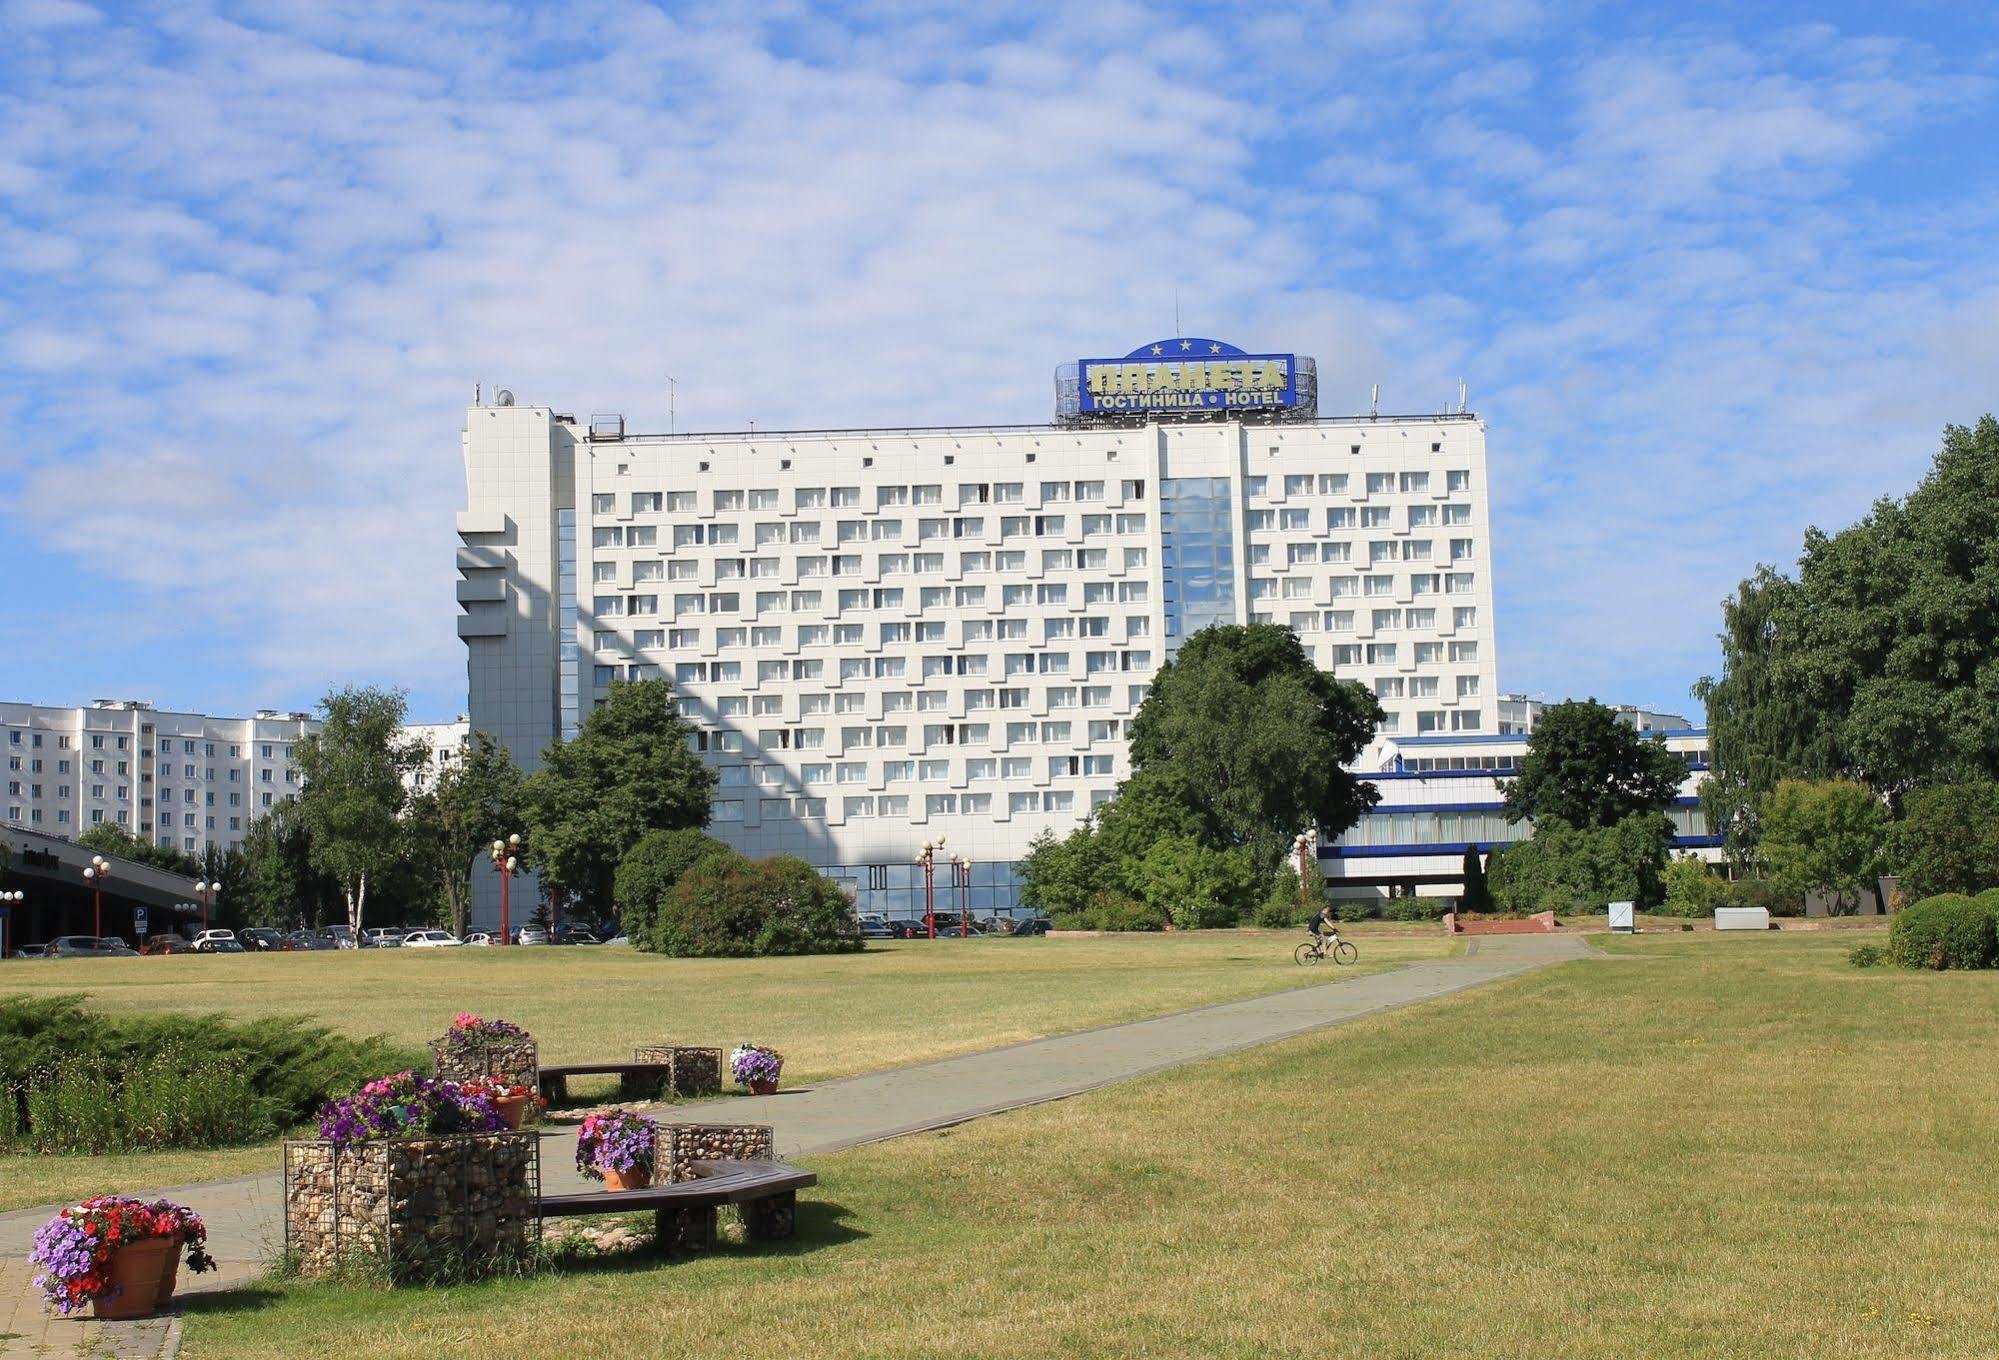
(1158, 349)
(1214, 349)
(1186, 344)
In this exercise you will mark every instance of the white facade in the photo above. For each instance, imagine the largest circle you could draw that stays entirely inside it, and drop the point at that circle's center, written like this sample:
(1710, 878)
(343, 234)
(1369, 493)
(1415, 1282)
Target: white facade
(181, 779)
(185, 780)
(885, 636)
(1441, 795)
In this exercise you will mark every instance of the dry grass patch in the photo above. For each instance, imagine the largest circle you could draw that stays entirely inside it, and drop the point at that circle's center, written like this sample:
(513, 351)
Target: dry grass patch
(1742, 1148)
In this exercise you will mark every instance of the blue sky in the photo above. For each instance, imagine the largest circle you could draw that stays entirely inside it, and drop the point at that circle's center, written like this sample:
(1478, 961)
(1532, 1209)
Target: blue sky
(1712, 273)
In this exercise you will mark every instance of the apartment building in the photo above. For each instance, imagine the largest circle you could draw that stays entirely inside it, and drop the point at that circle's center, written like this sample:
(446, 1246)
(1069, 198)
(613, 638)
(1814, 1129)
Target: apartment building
(884, 637)
(187, 780)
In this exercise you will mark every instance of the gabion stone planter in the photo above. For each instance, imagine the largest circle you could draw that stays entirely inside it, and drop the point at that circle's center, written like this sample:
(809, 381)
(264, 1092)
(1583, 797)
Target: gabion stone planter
(690, 1071)
(459, 1203)
(680, 1145)
(517, 1063)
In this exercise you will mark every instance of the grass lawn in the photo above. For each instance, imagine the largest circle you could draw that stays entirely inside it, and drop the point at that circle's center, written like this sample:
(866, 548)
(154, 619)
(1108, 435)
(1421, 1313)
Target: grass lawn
(1718, 1147)
(896, 1003)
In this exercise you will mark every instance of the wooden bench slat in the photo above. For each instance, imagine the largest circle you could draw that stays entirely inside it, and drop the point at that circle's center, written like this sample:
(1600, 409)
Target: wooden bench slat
(716, 1183)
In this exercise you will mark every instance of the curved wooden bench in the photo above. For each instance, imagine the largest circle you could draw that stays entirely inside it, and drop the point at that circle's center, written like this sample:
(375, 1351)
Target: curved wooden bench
(684, 1212)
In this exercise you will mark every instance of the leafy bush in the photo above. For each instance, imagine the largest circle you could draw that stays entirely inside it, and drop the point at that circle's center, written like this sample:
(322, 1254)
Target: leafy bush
(108, 1082)
(1566, 869)
(1282, 909)
(725, 906)
(1949, 930)
(1866, 956)
(1989, 899)
(1766, 893)
(1195, 884)
(1356, 909)
(1948, 839)
(1112, 911)
(647, 875)
(1415, 909)
(1692, 889)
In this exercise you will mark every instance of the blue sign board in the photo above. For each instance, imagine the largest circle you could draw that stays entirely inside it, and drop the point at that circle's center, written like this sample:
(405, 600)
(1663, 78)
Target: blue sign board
(1187, 374)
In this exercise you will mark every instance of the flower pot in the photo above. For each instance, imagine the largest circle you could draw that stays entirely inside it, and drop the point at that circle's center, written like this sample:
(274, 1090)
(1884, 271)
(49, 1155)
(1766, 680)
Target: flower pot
(169, 1278)
(764, 1088)
(512, 1109)
(132, 1279)
(638, 1178)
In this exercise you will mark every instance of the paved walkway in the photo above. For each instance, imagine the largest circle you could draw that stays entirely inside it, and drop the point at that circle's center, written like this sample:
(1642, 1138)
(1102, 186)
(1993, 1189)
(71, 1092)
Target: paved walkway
(245, 1224)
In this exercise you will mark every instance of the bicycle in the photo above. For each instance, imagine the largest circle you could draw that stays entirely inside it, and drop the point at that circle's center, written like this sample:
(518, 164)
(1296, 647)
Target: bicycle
(1314, 949)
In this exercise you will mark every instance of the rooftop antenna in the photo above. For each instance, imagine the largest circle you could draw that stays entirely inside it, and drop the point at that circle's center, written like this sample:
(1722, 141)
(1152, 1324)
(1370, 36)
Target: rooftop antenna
(1461, 396)
(1176, 310)
(476, 393)
(1374, 402)
(671, 387)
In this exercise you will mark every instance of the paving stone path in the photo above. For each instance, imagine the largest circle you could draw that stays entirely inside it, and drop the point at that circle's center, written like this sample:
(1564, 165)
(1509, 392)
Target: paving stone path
(245, 1222)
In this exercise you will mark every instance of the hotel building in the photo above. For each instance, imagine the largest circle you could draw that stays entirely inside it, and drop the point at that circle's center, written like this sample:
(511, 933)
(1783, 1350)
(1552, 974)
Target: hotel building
(886, 636)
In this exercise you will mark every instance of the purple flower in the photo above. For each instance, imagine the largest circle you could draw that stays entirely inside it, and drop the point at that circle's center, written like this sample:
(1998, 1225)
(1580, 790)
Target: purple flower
(618, 1140)
(752, 1063)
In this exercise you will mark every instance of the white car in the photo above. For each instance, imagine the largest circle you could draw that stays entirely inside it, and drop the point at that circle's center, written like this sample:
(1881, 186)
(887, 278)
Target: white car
(216, 942)
(431, 939)
(480, 938)
(383, 937)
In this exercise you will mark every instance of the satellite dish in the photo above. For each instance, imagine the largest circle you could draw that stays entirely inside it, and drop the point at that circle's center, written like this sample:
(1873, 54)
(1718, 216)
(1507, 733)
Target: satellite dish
(504, 397)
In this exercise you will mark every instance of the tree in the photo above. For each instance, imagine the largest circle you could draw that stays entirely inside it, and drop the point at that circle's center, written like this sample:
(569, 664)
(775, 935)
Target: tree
(1568, 868)
(629, 770)
(1591, 769)
(280, 887)
(1827, 835)
(353, 797)
(1947, 840)
(1475, 896)
(1878, 661)
(1284, 905)
(109, 838)
(477, 799)
(1247, 735)
(725, 906)
(647, 875)
(1196, 885)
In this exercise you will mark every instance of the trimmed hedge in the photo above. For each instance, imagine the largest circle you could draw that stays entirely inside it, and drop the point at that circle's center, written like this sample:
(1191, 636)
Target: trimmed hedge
(1949, 930)
(1112, 911)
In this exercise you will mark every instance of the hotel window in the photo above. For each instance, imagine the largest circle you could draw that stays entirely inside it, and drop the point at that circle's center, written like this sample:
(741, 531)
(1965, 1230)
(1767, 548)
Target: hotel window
(763, 498)
(1054, 491)
(857, 807)
(1464, 616)
(1332, 484)
(1458, 583)
(719, 534)
(1380, 653)
(1467, 686)
(1296, 518)
(1415, 481)
(1341, 517)
(808, 498)
(675, 571)
(1422, 686)
(1465, 720)
(1379, 483)
(1457, 481)
(1347, 654)
(1376, 516)
(1089, 491)
(648, 502)
(1422, 618)
(1388, 687)
(1023, 802)
(1132, 489)
(728, 500)
(1423, 583)
(1464, 651)
(927, 495)
(1422, 516)
(1457, 514)
(895, 806)
(1430, 720)
(844, 497)
(1257, 520)
(608, 536)
(1460, 549)
(1298, 484)
(1416, 550)
(603, 503)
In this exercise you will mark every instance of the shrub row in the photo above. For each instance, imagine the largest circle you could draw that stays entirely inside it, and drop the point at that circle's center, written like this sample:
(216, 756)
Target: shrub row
(72, 1080)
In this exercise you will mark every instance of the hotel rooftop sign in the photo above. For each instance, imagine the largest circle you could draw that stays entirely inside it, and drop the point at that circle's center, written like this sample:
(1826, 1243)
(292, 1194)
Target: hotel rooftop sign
(1186, 378)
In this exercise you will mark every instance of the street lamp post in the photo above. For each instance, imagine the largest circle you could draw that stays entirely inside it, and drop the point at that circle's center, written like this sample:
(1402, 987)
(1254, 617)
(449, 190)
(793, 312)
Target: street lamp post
(95, 874)
(506, 858)
(8, 901)
(928, 859)
(207, 892)
(961, 869)
(1301, 844)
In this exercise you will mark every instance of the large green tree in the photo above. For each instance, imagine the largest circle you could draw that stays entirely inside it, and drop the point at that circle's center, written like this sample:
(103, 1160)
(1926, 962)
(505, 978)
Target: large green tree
(281, 888)
(1947, 840)
(1242, 731)
(629, 770)
(1563, 867)
(1879, 660)
(353, 797)
(647, 875)
(109, 838)
(477, 799)
(1824, 835)
(1589, 768)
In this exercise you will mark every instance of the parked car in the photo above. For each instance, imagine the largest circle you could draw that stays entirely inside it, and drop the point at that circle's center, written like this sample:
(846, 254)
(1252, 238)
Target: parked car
(263, 940)
(531, 935)
(1031, 925)
(169, 943)
(481, 939)
(874, 926)
(217, 942)
(383, 937)
(32, 951)
(343, 937)
(310, 941)
(907, 929)
(431, 939)
(111, 947)
(570, 933)
(75, 947)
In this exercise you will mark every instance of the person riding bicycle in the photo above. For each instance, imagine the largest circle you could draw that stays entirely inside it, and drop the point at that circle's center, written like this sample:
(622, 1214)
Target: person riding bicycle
(1325, 926)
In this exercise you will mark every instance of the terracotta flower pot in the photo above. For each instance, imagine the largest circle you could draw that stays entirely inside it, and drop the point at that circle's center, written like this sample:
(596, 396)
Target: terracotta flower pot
(512, 1109)
(764, 1088)
(638, 1178)
(169, 1278)
(133, 1278)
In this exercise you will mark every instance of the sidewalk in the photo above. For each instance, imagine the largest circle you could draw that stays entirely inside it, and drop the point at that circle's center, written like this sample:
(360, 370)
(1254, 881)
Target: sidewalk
(245, 1222)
